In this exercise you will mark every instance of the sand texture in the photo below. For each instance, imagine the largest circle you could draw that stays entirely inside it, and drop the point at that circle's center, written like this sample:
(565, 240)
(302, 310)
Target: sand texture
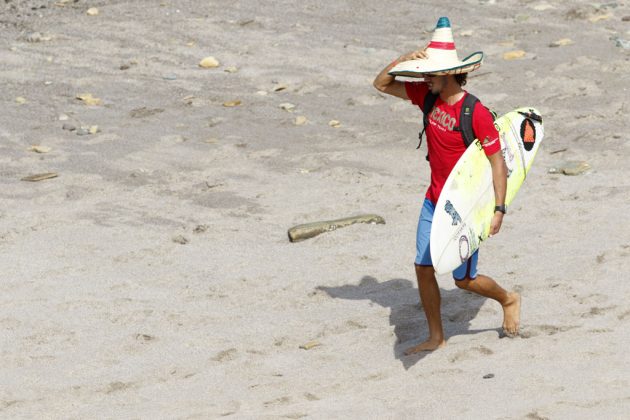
(146, 268)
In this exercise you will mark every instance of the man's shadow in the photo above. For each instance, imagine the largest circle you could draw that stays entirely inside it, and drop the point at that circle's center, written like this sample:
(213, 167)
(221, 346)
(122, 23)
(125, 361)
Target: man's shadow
(406, 314)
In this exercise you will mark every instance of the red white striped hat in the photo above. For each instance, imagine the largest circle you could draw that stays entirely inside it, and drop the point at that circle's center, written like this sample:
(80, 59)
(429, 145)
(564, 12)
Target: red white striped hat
(442, 56)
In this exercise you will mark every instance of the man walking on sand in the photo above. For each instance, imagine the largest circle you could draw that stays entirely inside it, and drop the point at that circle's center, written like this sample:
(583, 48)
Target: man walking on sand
(445, 75)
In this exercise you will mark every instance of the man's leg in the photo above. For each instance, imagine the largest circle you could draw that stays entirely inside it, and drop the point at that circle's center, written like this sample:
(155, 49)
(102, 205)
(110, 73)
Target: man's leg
(510, 301)
(427, 284)
(430, 297)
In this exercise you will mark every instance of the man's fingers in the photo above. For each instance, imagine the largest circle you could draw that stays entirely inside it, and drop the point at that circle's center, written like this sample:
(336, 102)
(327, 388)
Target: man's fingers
(419, 54)
(494, 229)
(415, 55)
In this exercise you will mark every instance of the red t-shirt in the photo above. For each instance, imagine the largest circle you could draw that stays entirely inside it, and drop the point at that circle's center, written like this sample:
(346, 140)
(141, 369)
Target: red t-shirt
(445, 145)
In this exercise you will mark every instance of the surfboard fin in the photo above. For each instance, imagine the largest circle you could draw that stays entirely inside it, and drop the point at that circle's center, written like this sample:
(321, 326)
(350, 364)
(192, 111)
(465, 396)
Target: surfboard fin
(532, 115)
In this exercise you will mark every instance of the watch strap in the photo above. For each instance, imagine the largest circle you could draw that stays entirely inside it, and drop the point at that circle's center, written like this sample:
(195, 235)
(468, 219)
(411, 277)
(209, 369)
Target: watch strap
(501, 208)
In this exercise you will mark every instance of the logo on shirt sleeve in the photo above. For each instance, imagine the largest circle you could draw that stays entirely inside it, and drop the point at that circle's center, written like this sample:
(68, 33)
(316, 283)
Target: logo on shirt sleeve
(487, 142)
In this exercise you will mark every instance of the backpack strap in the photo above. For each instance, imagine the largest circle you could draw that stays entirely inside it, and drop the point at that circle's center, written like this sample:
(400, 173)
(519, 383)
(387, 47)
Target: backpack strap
(465, 119)
(427, 107)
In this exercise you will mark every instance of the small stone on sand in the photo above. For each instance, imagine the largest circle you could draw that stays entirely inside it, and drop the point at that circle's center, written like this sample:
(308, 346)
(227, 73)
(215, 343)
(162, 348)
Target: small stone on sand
(209, 63)
(514, 55)
(287, 106)
(92, 11)
(334, 123)
(88, 99)
(621, 43)
(561, 42)
(571, 168)
(144, 337)
(39, 149)
(231, 104)
(599, 18)
(542, 7)
(310, 345)
(300, 120)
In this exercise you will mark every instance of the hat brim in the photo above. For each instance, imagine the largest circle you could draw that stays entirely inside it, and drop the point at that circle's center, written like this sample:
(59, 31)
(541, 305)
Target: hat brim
(418, 68)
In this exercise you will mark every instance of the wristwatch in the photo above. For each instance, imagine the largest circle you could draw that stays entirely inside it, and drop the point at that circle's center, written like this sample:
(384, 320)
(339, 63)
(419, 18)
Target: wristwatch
(501, 208)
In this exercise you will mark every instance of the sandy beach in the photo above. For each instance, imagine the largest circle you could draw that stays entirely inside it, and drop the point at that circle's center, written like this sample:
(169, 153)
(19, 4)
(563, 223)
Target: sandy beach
(150, 274)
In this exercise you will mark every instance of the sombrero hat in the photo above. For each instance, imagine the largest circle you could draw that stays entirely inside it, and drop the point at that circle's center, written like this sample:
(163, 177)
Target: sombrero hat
(442, 56)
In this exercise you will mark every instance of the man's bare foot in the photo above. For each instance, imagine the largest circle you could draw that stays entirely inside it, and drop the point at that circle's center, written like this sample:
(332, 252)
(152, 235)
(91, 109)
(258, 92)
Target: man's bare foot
(512, 314)
(428, 345)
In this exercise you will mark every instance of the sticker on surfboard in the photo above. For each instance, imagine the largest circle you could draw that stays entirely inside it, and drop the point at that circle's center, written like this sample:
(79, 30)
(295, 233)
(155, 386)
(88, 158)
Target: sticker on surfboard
(528, 134)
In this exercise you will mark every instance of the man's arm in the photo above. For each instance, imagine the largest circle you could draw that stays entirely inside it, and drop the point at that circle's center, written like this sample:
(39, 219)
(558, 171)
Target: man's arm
(499, 180)
(388, 84)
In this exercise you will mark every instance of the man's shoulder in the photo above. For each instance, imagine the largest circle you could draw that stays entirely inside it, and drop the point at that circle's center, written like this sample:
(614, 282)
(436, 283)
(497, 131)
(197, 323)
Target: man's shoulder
(481, 111)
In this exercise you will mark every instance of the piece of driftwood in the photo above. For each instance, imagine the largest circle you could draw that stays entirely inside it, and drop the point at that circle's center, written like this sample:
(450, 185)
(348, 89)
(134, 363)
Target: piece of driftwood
(309, 230)
(40, 177)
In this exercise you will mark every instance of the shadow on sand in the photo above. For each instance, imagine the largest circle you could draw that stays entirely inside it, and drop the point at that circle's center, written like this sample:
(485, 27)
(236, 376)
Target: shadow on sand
(406, 315)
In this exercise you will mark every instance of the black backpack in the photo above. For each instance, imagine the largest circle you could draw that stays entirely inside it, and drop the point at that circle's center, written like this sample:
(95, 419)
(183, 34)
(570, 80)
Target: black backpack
(465, 118)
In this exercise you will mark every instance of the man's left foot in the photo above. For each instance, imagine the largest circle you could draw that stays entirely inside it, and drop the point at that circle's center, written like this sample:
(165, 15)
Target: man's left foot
(428, 345)
(512, 314)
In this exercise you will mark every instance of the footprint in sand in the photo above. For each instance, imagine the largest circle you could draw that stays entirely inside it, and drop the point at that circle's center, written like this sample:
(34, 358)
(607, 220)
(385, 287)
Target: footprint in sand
(470, 354)
(311, 397)
(545, 329)
(595, 311)
(295, 416)
(593, 298)
(623, 316)
(8, 403)
(277, 401)
(118, 386)
(535, 416)
(231, 408)
(225, 355)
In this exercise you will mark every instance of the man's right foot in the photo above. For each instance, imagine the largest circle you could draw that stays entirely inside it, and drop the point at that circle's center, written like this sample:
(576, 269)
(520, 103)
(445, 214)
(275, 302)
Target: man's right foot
(512, 315)
(428, 345)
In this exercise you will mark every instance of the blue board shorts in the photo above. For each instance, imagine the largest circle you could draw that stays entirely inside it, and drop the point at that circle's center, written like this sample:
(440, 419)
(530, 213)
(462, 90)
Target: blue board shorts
(468, 269)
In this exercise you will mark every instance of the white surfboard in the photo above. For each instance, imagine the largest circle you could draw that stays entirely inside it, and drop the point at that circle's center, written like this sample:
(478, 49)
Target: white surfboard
(466, 205)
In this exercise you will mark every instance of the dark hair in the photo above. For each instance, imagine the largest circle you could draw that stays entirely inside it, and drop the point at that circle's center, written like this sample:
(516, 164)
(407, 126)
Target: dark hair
(461, 78)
